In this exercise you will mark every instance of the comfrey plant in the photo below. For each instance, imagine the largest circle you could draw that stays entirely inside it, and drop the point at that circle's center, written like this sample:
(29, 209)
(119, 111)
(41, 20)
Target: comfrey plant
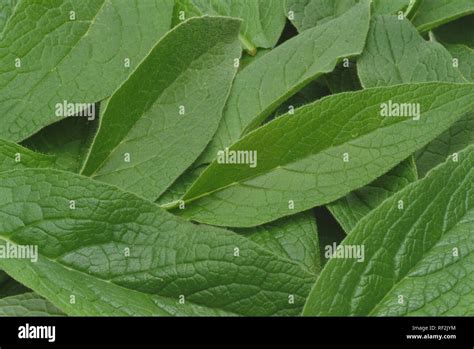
(164, 157)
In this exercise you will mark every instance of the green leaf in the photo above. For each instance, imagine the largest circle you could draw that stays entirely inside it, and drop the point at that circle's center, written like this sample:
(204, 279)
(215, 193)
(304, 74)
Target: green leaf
(263, 21)
(14, 156)
(417, 260)
(389, 7)
(43, 48)
(7, 8)
(294, 238)
(164, 115)
(457, 38)
(180, 186)
(388, 59)
(352, 207)
(432, 14)
(84, 252)
(261, 87)
(305, 163)
(68, 140)
(465, 56)
(307, 14)
(27, 304)
(395, 53)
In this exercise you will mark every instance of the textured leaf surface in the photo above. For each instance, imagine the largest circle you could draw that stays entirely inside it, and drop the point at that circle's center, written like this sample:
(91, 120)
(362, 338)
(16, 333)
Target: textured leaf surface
(433, 13)
(458, 39)
(263, 21)
(388, 59)
(262, 86)
(143, 118)
(352, 207)
(310, 13)
(306, 161)
(395, 53)
(14, 156)
(465, 56)
(418, 261)
(27, 304)
(294, 238)
(82, 252)
(180, 186)
(449, 142)
(7, 8)
(52, 47)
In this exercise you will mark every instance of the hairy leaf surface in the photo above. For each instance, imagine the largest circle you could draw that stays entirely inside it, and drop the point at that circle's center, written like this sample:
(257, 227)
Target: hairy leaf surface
(305, 164)
(122, 255)
(418, 260)
(261, 87)
(263, 21)
(51, 51)
(164, 115)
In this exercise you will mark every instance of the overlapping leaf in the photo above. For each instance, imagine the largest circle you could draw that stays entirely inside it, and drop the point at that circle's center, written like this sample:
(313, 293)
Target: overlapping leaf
(305, 166)
(118, 254)
(261, 87)
(163, 116)
(263, 21)
(27, 304)
(305, 14)
(49, 55)
(433, 13)
(417, 260)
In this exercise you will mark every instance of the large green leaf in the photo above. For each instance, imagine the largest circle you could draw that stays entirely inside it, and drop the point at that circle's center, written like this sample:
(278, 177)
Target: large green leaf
(265, 84)
(117, 254)
(27, 304)
(305, 14)
(305, 164)
(43, 48)
(392, 48)
(395, 53)
(417, 260)
(263, 21)
(164, 115)
(384, 62)
(433, 13)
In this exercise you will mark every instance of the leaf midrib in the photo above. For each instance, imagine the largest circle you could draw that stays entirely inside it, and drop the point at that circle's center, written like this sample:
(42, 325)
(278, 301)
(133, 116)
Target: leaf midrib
(295, 160)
